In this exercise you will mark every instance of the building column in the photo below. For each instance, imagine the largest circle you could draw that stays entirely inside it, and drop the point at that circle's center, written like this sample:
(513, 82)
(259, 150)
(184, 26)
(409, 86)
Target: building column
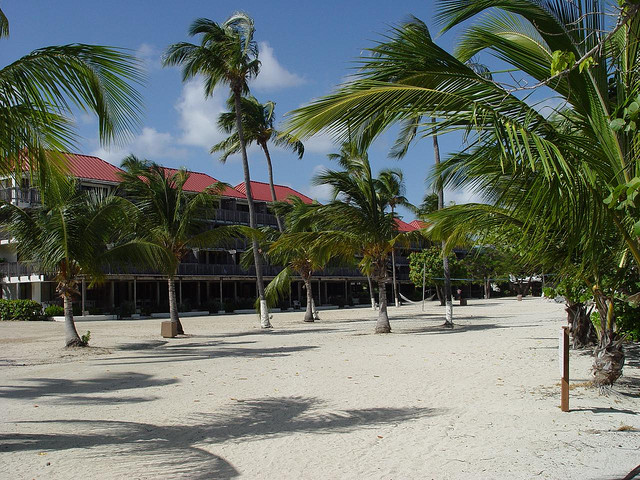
(135, 295)
(36, 291)
(180, 290)
(299, 292)
(319, 292)
(346, 291)
(198, 298)
(326, 296)
(158, 293)
(235, 291)
(112, 294)
(221, 292)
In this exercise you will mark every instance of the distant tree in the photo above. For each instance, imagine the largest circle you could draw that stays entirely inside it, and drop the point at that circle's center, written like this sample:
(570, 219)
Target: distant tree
(429, 263)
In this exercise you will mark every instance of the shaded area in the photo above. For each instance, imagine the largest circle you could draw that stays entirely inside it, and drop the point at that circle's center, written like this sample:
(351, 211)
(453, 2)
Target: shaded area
(277, 332)
(77, 391)
(457, 328)
(181, 449)
(185, 352)
(604, 410)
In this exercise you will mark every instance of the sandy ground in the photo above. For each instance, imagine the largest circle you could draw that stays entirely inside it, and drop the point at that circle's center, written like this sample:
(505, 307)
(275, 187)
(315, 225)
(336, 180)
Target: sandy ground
(324, 400)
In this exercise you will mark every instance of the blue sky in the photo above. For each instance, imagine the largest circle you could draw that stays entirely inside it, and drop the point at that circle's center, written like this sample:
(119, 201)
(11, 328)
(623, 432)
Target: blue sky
(306, 48)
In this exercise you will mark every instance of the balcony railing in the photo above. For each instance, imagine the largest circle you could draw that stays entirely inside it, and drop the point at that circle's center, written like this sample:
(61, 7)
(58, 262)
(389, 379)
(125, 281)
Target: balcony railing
(19, 269)
(20, 195)
(240, 217)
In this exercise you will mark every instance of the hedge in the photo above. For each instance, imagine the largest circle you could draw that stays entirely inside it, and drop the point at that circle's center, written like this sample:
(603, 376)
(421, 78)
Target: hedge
(28, 310)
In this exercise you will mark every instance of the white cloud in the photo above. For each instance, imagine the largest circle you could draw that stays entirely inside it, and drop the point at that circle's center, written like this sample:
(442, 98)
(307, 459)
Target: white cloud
(322, 193)
(199, 115)
(150, 144)
(550, 105)
(150, 56)
(273, 75)
(320, 143)
(460, 197)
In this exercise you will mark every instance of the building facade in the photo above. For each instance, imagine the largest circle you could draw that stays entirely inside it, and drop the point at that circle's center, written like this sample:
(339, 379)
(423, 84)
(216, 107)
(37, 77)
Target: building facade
(205, 276)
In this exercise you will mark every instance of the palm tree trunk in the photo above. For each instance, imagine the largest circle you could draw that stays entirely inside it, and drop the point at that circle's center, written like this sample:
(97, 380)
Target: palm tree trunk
(383, 326)
(308, 314)
(373, 299)
(609, 353)
(173, 306)
(445, 260)
(395, 286)
(264, 311)
(72, 339)
(271, 184)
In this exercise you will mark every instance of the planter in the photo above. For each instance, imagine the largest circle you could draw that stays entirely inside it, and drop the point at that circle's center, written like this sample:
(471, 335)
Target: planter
(169, 329)
(519, 297)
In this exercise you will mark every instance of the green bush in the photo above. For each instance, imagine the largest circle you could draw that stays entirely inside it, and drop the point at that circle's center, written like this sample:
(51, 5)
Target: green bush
(53, 311)
(127, 309)
(549, 292)
(22, 310)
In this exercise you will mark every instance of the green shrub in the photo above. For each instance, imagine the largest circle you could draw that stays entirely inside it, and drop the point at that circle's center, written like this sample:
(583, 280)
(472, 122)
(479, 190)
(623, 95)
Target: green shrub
(127, 309)
(22, 310)
(185, 306)
(53, 311)
(86, 337)
(95, 311)
(549, 292)
(229, 306)
(337, 300)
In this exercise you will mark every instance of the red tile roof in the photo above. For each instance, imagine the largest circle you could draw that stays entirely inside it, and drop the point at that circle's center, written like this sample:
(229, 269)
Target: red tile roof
(404, 226)
(261, 191)
(92, 168)
(198, 182)
(418, 224)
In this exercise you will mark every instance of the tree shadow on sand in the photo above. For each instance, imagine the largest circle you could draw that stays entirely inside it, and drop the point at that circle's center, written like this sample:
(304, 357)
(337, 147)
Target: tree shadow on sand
(62, 390)
(169, 451)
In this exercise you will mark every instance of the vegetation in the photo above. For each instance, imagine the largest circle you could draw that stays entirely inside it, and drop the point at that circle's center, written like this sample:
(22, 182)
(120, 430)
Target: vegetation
(428, 264)
(39, 91)
(23, 310)
(76, 234)
(227, 55)
(171, 218)
(258, 127)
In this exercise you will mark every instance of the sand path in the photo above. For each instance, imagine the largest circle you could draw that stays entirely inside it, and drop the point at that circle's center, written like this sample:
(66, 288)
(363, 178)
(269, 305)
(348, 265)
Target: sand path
(324, 400)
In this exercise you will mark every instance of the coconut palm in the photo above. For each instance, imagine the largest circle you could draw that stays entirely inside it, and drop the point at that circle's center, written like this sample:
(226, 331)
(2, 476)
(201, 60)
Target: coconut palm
(568, 47)
(76, 234)
(258, 126)
(226, 55)
(392, 187)
(298, 256)
(38, 93)
(357, 223)
(174, 220)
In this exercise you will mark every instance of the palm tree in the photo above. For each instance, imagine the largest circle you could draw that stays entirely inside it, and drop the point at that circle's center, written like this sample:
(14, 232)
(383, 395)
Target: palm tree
(297, 255)
(392, 187)
(172, 219)
(258, 126)
(226, 55)
(75, 234)
(357, 223)
(570, 47)
(38, 93)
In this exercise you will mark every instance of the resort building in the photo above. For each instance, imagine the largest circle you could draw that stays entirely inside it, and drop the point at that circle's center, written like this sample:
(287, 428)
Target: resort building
(205, 276)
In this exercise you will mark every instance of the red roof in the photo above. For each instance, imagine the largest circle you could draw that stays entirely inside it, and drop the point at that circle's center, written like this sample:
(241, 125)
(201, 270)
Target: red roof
(198, 182)
(404, 226)
(92, 168)
(418, 224)
(261, 191)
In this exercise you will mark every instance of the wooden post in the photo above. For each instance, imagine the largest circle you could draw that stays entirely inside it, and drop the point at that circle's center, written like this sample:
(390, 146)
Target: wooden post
(84, 294)
(564, 368)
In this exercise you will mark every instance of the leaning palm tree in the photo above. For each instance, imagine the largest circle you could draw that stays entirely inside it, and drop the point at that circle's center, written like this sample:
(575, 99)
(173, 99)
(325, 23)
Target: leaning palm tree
(226, 55)
(39, 91)
(258, 126)
(357, 223)
(172, 219)
(75, 234)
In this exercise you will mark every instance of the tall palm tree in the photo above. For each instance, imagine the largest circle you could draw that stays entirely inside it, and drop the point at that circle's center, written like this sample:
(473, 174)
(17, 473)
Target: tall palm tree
(75, 234)
(172, 219)
(258, 126)
(392, 186)
(357, 223)
(227, 55)
(38, 93)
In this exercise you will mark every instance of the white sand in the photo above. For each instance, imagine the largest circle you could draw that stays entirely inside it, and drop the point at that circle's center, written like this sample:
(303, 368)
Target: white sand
(323, 400)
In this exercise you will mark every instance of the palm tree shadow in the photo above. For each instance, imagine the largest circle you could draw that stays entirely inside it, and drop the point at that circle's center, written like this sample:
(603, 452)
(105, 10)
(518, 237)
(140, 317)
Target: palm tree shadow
(183, 449)
(457, 328)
